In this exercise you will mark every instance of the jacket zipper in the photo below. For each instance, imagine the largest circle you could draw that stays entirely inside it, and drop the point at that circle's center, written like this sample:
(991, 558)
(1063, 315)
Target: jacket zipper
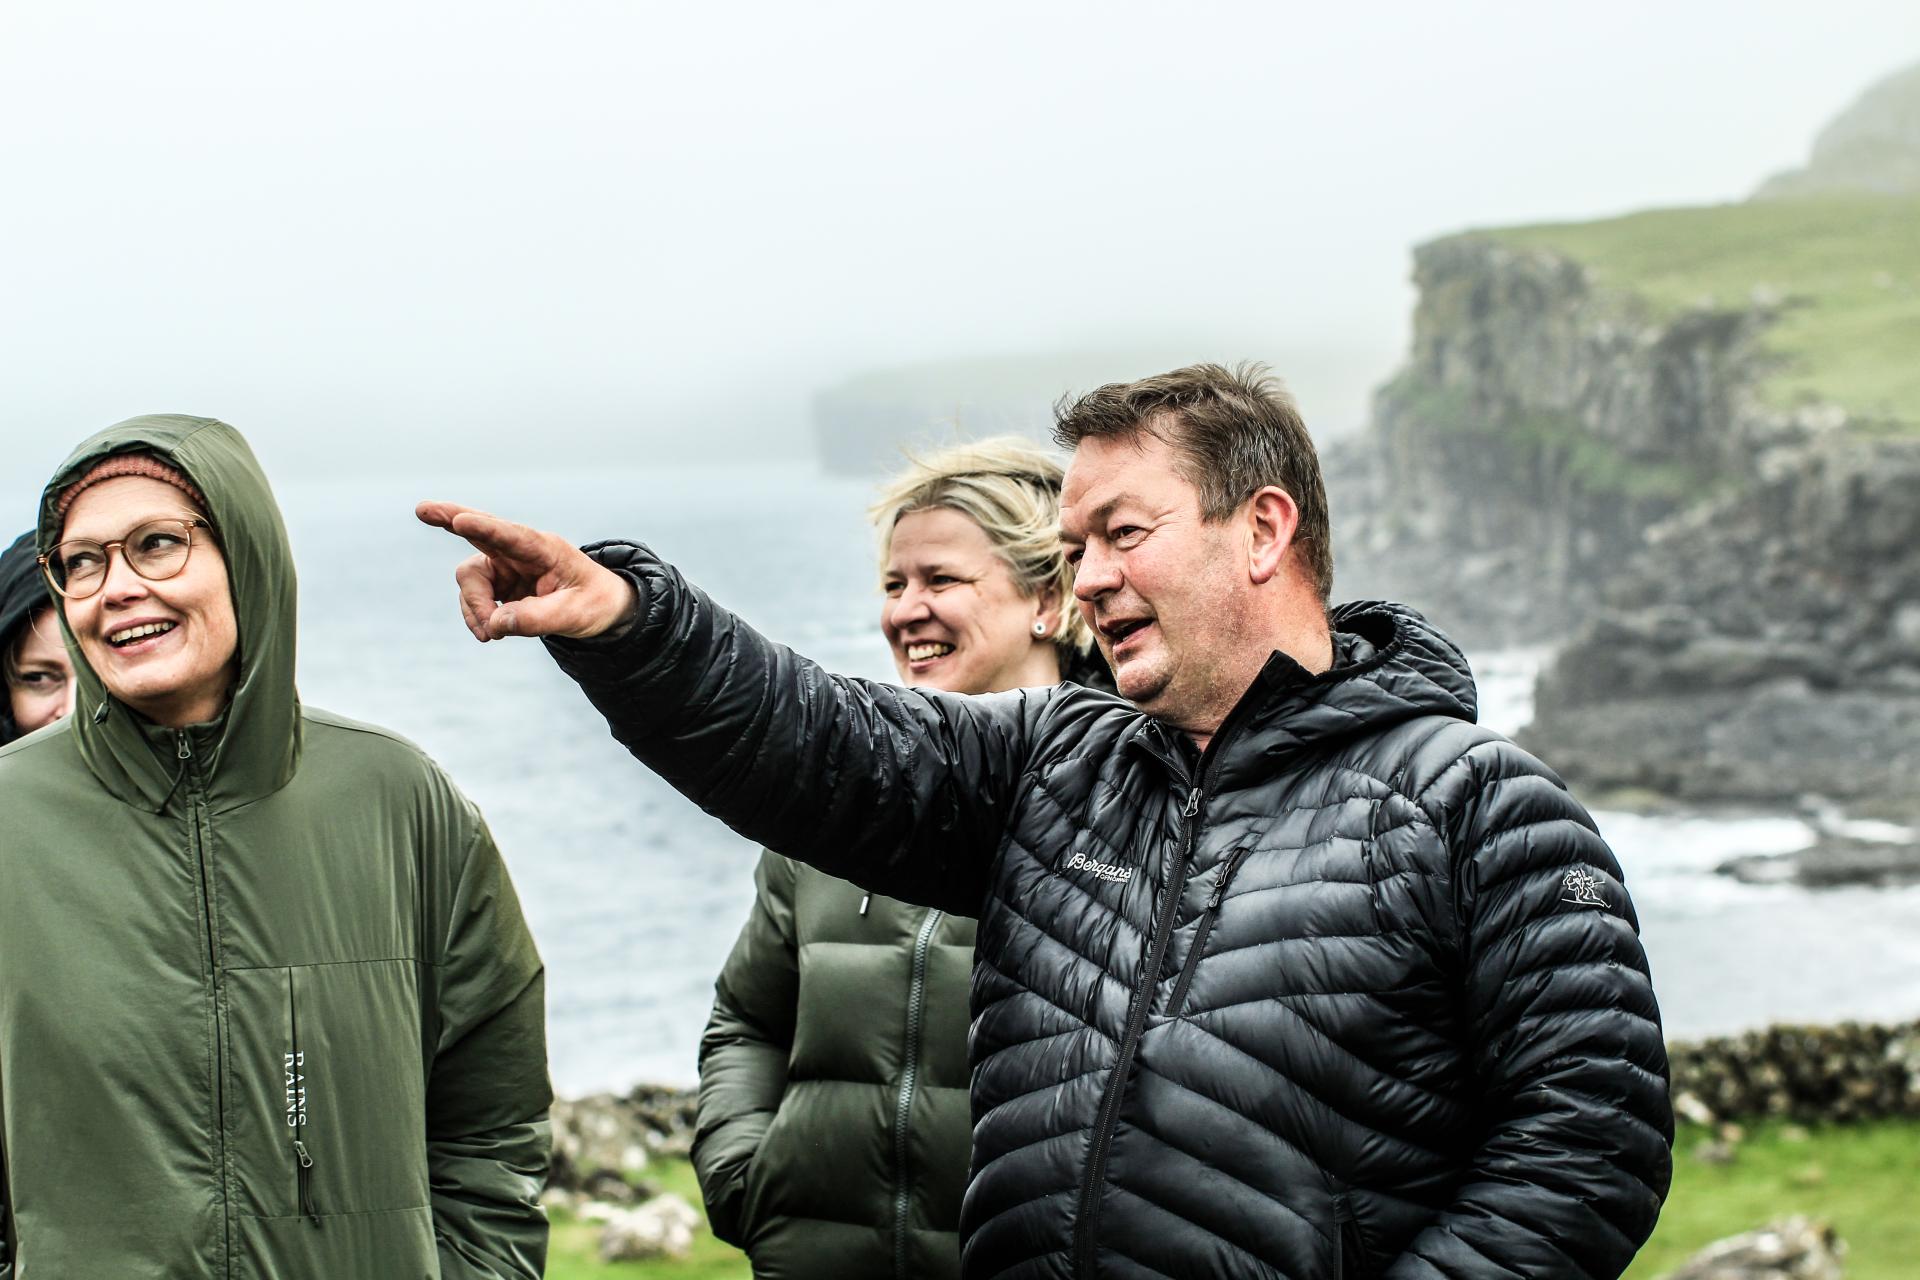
(1084, 1223)
(1109, 1114)
(1346, 1230)
(1177, 1005)
(198, 823)
(909, 1071)
(297, 1108)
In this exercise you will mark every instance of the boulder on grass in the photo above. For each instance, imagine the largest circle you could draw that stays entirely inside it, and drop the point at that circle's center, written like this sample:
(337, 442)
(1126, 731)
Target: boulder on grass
(593, 1135)
(661, 1228)
(1795, 1248)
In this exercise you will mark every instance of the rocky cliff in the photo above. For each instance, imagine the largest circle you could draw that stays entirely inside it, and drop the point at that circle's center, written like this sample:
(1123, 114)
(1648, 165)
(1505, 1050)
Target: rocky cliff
(1762, 646)
(1874, 145)
(1684, 446)
(1540, 427)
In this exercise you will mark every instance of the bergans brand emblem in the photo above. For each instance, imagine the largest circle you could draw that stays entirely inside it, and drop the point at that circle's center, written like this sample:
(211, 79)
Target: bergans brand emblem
(296, 1074)
(1102, 870)
(1581, 887)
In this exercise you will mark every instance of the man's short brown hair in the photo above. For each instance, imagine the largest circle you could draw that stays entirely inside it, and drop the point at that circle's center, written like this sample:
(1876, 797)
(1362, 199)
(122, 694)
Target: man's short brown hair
(1233, 431)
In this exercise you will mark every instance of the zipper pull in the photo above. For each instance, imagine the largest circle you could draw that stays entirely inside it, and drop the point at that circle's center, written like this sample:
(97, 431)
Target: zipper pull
(1218, 895)
(865, 898)
(1225, 878)
(306, 1182)
(185, 751)
(1193, 803)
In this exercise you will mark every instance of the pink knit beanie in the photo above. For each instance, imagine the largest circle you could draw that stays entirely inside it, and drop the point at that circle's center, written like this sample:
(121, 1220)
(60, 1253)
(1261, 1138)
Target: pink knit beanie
(128, 464)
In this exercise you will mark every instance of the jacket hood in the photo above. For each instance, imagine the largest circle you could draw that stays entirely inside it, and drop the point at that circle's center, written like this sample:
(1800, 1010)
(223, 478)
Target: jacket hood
(1390, 665)
(253, 749)
(22, 590)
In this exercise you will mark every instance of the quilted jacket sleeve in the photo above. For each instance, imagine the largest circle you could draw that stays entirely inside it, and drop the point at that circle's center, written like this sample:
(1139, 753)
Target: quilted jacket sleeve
(488, 1139)
(1575, 1154)
(902, 791)
(743, 1055)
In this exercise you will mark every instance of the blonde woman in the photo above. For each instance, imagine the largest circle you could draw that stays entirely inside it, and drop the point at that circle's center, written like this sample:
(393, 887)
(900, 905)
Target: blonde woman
(834, 1124)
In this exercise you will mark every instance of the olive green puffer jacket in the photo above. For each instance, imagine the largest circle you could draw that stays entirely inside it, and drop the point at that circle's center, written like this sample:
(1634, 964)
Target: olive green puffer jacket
(834, 1130)
(268, 1008)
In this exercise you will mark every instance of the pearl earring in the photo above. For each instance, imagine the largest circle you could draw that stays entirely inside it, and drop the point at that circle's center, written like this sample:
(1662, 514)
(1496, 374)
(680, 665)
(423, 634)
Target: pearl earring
(1039, 628)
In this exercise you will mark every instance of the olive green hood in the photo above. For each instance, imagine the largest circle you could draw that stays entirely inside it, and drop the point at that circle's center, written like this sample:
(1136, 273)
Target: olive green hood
(254, 748)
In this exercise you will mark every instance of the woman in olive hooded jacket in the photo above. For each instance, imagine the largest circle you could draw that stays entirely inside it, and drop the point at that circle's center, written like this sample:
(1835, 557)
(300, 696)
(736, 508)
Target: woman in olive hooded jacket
(268, 1007)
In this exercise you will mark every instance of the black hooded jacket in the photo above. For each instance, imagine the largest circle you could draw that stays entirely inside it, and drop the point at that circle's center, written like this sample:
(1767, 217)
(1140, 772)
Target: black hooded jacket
(1358, 992)
(22, 590)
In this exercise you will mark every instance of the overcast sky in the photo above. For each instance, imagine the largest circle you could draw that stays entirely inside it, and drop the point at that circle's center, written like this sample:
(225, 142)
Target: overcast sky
(487, 230)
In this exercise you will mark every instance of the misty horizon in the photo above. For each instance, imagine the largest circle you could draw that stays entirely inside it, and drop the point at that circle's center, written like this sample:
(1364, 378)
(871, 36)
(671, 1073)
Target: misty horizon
(420, 239)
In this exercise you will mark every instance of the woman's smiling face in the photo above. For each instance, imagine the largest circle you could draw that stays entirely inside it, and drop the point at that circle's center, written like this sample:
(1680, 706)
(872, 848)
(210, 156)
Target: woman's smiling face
(954, 617)
(168, 649)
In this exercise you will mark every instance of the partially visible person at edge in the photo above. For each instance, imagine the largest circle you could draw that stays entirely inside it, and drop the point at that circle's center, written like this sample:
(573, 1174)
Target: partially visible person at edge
(1286, 969)
(39, 681)
(833, 1126)
(267, 1003)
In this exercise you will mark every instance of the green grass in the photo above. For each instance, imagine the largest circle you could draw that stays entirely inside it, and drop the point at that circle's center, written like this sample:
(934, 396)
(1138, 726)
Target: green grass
(1861, 1178)
(574, 1253)
(1849, 268)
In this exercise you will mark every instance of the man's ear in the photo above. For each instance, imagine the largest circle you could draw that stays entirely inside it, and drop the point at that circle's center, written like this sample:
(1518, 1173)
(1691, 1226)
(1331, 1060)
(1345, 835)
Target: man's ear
(1272, 516)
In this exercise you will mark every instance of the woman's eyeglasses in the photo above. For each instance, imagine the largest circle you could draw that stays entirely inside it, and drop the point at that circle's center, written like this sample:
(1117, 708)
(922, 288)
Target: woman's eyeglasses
(157, 550)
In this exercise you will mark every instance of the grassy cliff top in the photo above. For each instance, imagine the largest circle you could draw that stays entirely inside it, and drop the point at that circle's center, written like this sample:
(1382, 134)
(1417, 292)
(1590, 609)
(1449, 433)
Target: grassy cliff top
(1847, 266)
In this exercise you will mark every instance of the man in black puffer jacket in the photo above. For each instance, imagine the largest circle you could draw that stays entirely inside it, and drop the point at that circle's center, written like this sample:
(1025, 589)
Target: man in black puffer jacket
(1286, 969)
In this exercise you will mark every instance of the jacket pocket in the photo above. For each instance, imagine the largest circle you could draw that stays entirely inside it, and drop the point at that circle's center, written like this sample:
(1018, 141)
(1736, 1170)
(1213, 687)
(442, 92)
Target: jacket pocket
(326, 1109)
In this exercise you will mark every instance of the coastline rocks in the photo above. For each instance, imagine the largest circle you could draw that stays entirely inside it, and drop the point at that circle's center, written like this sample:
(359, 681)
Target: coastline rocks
(602, 1145)
(1850, 1071)
(666, 1116)
(1735, 571)
(607, 1136)
(1834, 862)
(594, 1136)
(1795, 1248)
(1540, 427)
(1760, 649)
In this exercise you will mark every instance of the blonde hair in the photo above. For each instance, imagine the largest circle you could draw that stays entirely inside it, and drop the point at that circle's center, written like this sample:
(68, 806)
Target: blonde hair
(1010, 487)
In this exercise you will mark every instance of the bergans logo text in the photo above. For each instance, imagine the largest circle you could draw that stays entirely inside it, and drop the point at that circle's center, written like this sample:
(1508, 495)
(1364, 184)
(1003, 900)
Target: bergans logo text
(296, 1073)
(1102, 870)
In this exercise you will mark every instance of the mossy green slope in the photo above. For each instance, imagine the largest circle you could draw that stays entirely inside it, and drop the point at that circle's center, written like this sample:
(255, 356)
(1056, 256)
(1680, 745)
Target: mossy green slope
(1846, 270)
(1858, 1177)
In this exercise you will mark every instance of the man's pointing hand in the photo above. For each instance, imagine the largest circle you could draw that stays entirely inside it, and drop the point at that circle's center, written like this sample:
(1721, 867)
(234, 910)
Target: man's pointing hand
(525, 582)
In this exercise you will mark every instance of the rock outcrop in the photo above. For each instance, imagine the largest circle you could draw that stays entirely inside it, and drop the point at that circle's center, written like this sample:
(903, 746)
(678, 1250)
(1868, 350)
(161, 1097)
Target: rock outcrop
(609, 1137)
(1540, 427)
(1874, 145)
(663, 1227)
(1733, 570)
(1813, 1075)
(1795, 1248)
(1762, 646)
